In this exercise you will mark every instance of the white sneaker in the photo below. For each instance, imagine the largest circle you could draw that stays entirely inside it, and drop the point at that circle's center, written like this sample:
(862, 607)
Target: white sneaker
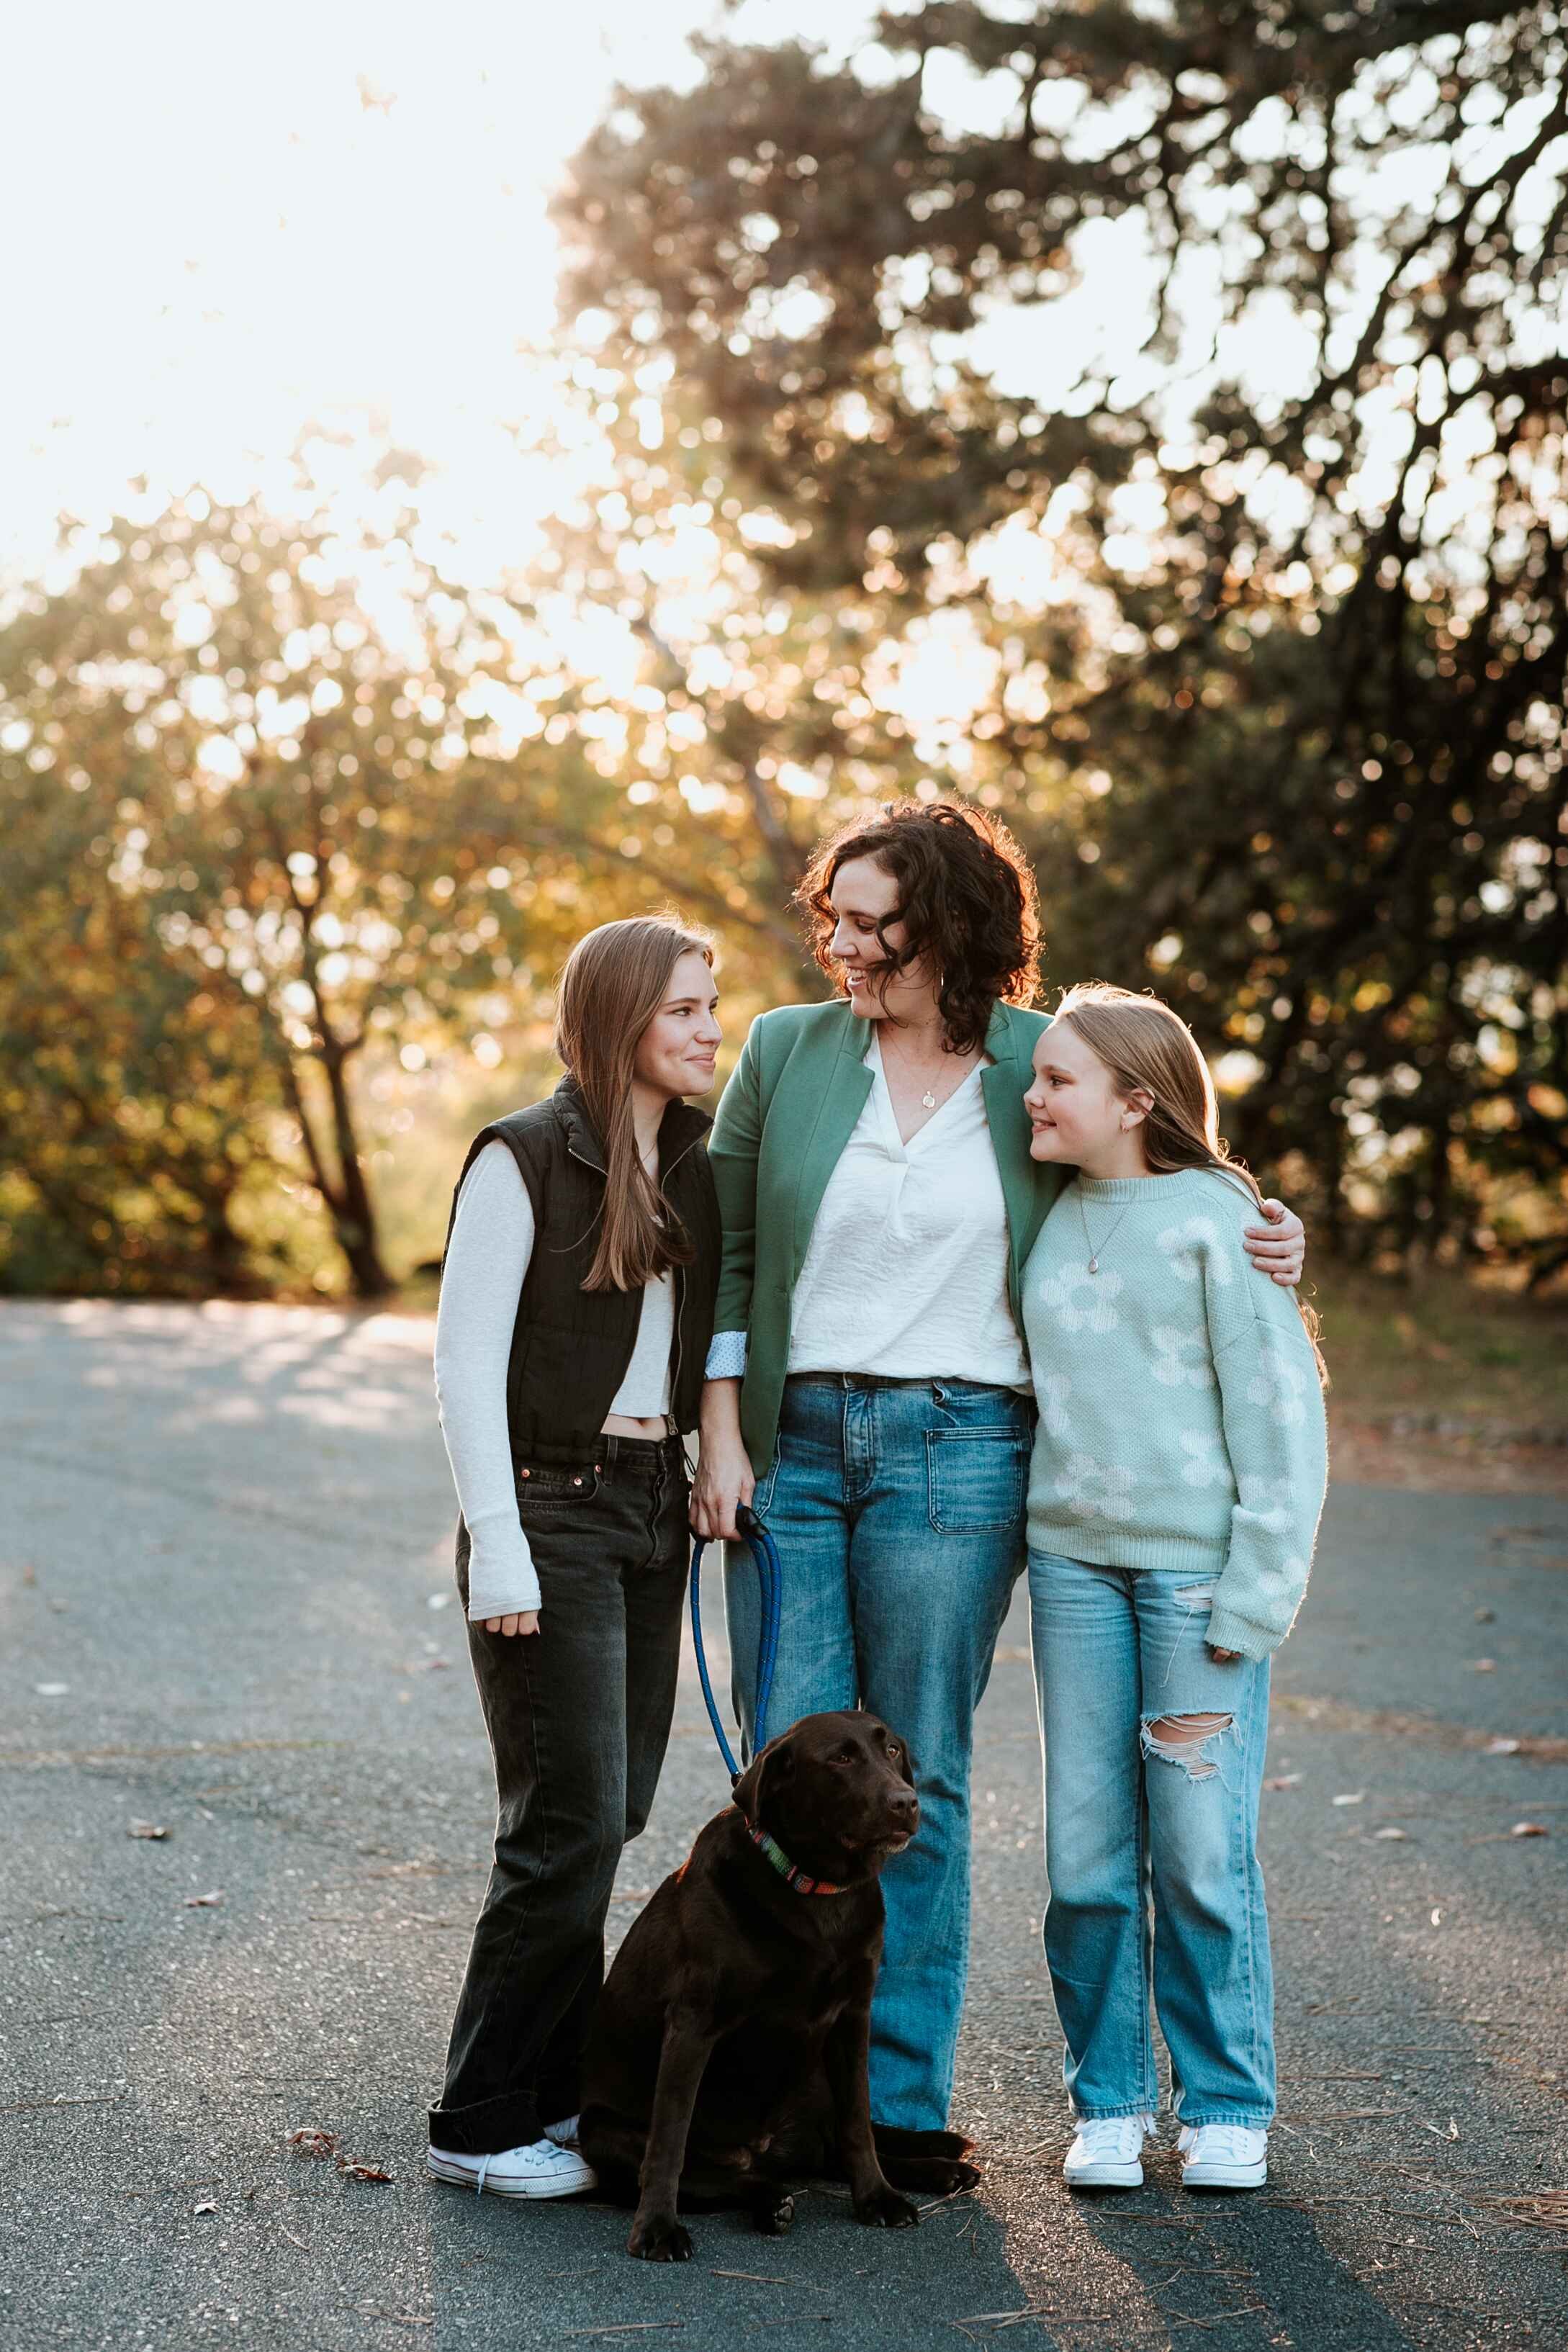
(565, 2133)
(1108, 2153)
(1223, 2155)
(543, 2170)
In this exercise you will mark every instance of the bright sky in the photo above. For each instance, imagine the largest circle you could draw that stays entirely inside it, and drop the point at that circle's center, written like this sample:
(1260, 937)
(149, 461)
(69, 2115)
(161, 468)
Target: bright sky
(227, 222)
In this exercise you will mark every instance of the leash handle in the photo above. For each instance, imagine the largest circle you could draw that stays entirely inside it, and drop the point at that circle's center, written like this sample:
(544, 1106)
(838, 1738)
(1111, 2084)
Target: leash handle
(770, 1580)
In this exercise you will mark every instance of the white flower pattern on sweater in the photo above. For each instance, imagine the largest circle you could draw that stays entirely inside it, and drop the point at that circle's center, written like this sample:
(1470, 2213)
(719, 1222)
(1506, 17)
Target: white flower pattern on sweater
(1183, 1245)
(1207, 1464)
(1097, 1312)
(1053, 1390)
(1183, 1356)
(1279, 1386)
(1095, 1490)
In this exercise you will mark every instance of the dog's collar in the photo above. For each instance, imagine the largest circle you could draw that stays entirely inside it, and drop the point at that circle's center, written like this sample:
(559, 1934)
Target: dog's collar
(793, 1878)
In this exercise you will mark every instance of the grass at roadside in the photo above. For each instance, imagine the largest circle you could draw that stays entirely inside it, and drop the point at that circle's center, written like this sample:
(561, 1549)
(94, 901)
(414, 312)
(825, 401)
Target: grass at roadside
(1459, 1349)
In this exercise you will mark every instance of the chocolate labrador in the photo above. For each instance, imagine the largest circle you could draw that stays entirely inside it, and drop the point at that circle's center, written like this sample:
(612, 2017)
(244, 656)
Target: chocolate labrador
(729, 2051)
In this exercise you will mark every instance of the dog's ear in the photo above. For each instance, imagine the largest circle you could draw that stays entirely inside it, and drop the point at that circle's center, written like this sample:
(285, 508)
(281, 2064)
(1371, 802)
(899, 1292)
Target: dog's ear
(775, 1763)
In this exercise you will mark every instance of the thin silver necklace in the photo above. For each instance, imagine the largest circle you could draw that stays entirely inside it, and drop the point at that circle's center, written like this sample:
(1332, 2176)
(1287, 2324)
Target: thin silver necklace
(1094, 1254)
(928, 1100)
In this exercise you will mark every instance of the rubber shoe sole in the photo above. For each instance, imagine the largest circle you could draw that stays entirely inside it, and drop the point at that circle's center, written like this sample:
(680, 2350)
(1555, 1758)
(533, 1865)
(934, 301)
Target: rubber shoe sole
(553, 2183)
(1104, 2175)
(1226, 2176)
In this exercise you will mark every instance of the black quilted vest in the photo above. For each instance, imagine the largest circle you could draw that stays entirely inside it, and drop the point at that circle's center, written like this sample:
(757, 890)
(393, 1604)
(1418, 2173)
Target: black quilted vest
(571, 1347)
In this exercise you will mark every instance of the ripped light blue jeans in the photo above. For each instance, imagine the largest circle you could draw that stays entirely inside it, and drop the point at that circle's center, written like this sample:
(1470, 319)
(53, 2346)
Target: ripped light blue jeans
(1155, 1890)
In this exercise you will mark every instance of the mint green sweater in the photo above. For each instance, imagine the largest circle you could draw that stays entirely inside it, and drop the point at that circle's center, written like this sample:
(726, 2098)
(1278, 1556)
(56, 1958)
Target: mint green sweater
(1181, 1421)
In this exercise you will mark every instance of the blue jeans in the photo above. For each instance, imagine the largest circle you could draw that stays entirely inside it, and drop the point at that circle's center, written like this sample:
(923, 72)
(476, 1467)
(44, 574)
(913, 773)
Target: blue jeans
(1117, 1651)
(898, 1514)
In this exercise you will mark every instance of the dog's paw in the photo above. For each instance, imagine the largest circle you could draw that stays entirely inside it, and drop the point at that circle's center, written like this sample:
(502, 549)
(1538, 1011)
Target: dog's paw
(660, 2240)
(884, 2208)
(946, 2179)
(772, 2215)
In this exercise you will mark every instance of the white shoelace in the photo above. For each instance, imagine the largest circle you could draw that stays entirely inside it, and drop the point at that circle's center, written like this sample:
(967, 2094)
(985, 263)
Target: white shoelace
(485, 2162)
(1122, 2134)
(1229, 2141)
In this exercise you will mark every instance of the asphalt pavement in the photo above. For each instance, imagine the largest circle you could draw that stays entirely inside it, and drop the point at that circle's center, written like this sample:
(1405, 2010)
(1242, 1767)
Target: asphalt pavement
(227, 1614)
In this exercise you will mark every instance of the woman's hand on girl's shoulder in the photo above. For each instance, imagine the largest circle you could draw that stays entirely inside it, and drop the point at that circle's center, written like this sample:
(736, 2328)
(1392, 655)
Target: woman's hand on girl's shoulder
(526, 1621)
(1278, 1249)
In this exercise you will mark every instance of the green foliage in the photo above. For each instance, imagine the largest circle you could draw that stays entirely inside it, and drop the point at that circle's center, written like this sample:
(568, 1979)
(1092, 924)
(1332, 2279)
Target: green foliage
(269, 797)
(1281, 710)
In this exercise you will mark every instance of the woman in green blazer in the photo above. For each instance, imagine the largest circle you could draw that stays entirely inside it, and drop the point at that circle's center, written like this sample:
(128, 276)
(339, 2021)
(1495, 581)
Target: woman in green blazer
(869, 1391)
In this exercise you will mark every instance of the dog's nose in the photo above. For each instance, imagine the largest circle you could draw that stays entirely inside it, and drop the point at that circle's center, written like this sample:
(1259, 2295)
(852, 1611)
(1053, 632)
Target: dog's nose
(904, 1806)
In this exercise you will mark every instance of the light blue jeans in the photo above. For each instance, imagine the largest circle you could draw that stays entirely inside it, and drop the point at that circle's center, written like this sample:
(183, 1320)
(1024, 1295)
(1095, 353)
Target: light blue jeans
(1128, 1818)
(899, 1517)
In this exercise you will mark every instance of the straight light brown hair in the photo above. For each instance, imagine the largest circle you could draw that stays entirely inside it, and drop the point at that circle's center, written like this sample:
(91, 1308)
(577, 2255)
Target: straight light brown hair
(1147, 1048)
(614, 981)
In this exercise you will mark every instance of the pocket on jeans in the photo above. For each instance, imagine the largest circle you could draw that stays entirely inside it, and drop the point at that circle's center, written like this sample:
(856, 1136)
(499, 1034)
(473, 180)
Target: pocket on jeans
(975, 1478)
(553, 1488)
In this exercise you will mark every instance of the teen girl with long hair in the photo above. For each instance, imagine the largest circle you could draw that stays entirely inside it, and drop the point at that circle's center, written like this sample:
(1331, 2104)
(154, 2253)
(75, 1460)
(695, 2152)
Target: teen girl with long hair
(1177, 1479)
(576, 1310)
(870, 1387)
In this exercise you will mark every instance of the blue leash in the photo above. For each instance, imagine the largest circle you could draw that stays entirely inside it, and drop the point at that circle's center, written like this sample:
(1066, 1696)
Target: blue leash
(770, 1580)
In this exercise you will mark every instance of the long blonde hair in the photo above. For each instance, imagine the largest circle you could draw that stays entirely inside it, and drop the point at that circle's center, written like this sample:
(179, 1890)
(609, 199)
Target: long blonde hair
(614, 981)
(1147, 1048)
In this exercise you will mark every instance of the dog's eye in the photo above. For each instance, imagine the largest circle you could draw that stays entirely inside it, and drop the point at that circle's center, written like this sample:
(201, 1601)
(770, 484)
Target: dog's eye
(847, 1757)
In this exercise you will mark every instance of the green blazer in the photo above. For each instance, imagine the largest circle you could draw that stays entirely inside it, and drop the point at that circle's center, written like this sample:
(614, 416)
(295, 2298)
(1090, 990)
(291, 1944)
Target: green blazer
(791, 1106)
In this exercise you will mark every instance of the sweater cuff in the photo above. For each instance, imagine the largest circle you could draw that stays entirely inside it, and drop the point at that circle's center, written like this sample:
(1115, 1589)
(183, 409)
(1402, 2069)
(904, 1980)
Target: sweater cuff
(726, 1357)
(502, 1580)
(1229, 1631)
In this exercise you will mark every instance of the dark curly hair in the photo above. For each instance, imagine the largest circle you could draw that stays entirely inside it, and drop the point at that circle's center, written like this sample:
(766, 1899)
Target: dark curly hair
(966, 898)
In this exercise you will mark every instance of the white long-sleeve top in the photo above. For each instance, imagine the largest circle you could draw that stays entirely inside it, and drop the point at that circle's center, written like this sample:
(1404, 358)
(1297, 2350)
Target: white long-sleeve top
(486, 1257)
(906, 1270)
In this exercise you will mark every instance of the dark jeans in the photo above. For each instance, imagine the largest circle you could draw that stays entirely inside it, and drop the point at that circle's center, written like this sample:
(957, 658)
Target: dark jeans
(578, 1716)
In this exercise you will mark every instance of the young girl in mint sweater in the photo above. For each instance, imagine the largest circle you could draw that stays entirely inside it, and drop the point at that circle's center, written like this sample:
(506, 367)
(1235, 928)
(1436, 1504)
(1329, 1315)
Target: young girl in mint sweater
(1177, 1479)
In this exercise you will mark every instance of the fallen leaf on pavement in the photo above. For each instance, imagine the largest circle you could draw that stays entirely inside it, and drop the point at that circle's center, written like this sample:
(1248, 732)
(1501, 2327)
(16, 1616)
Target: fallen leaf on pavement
(1390, 1833)
(439, 1600)
(1501, 1747)
(353, 2171)
(1283, 1780)
(203, 2209)
(51, 1690)
(1483, 1665)
(1529, 1829)
(1486, 1616)
(308, 2142)
(205, 1902)
(1353, 1799)
(147, 1830)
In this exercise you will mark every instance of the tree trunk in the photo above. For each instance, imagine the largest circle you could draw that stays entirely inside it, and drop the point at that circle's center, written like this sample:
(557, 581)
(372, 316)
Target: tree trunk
(353, 1213)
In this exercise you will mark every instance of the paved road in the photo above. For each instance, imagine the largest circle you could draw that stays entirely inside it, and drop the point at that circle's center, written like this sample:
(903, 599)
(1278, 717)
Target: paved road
(223, 1609)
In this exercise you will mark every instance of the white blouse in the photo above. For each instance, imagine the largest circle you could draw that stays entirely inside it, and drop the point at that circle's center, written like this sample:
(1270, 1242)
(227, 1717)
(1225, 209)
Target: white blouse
(906, 1273)
(487, 1258)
